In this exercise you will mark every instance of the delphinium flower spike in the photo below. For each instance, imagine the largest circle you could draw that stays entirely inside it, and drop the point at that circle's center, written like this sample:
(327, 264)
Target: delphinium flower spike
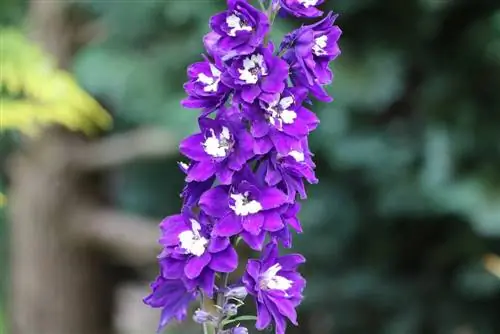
(245, 169)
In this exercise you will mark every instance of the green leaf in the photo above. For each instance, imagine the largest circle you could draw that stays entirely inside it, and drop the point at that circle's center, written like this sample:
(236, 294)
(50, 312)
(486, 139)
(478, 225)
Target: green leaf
(240, 318)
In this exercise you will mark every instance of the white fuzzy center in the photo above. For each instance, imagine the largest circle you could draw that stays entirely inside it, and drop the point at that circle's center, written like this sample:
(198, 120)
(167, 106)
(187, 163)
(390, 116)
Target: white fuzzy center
(320, 44)
(236, 24)
(308, 3)
(218, 146)
(270, 280)
(191, 240)
(244, 207)
(279, 113)
(211, 82)
(253, 66)
(297, 155)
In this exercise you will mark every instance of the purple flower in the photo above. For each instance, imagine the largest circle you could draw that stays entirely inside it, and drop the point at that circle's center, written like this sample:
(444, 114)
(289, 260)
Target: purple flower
(289, 171)
(222, 148)
(280, 121)
(256, 73)
(276, 286)
(310, 50)
(240, 29)
(302, 8)
(172, 296)
(245, 208)
(204, 88)
(189, 251)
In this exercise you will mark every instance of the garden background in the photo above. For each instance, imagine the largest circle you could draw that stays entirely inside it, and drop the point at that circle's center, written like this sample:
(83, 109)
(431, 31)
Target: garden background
(402, 234)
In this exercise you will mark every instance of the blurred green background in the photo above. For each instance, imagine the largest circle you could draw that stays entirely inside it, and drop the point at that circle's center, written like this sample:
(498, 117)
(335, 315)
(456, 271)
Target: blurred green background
(401, 232)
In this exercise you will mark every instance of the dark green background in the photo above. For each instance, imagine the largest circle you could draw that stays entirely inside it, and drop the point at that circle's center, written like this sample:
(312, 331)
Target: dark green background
(408, 154)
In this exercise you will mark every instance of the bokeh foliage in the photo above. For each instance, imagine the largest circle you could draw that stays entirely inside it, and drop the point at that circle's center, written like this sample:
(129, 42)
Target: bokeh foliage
(408, 206)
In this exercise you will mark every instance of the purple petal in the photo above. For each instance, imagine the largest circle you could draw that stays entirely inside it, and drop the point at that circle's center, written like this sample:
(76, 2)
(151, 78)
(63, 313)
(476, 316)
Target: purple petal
(218, 244)
(280, 322)
(171, 268)
(253, 223)
(196, 264)
(291, 261)
(225, 261)
(228, 226)
(263, 317)
(255, 242)
(249, 94)
(253, 269)
(201, 171)
(272, 198)
(273, 221)
(214, 202)
(285, 308)
(171, 227)
(206, 282)
(192, 147)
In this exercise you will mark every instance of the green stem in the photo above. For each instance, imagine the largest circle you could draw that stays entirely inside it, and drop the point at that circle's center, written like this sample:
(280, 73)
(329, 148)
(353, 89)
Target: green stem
(262, 6)
(221, 299)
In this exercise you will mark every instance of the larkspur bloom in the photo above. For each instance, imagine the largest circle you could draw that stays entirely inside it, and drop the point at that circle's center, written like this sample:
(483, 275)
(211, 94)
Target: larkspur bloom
(190, 253)
(222, 148)
(257, 73)
(204, 88)
(289, 171)
(245, 208)
(301, 8)
(310, 49)
(172, 296)
(240, 29)
(276, 286)
(280, 121)
(247, 166)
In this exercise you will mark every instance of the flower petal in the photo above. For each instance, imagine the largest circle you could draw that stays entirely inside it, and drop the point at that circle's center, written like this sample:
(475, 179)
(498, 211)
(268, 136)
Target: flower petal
(201, 171)
(196, 264)
(253, 223)
(271, 198)
(273, 221)
(192, 147)
(263, 317)
(214, 202)
(225, 261)
(255, 242)
(228, 226)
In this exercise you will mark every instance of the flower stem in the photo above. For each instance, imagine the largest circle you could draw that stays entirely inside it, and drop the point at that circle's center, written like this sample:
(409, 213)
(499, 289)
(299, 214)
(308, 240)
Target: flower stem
(206, 329)
(262, 6)
(221, 299)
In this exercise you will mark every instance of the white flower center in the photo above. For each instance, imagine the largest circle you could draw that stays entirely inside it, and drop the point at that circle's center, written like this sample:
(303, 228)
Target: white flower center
(211, 83)
(308, 3)
(253, 66)
(270, 280)
(279, 114)
(298, 156)
(236, 24)
(244, 207)
(320, 44)
(218, 147)
(191, 240)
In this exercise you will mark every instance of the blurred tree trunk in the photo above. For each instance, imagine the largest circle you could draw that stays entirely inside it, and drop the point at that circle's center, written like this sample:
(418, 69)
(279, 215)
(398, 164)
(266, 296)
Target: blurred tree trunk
(58, 286)
(62, 240)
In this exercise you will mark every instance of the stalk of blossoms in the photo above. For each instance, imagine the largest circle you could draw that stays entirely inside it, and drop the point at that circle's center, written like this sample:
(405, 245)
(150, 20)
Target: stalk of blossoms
(246, 167)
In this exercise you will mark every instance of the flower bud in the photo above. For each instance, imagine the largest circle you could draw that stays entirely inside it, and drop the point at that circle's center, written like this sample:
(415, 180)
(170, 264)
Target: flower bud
(230, 309)
(238, 292)
(239, 330)
(202, 317)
